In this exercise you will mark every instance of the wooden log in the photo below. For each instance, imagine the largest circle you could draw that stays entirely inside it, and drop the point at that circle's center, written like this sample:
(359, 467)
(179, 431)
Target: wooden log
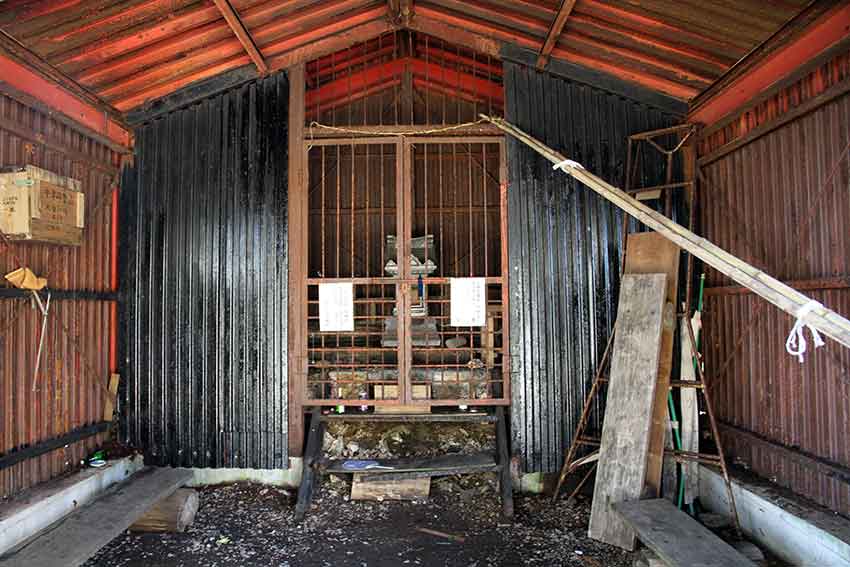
(404, 489)
(621, 471)
(782, 296)
(171, 514)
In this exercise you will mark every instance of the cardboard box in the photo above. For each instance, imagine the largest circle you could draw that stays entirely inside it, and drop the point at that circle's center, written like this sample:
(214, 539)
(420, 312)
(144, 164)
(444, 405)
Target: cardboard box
(41, 206)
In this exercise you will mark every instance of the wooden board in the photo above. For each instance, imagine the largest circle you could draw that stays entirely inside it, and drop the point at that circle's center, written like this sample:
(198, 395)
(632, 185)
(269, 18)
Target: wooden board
(405, 489)
(83, 533)
(172, 514)
(621, 470)
(448, 464)
(109, 401)
(401, 409)
(678, 539)
(651, 253)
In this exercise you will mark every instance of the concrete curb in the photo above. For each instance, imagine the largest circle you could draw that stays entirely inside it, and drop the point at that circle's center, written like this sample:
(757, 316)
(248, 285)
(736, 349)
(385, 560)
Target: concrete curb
(798, 532)
(25, 517)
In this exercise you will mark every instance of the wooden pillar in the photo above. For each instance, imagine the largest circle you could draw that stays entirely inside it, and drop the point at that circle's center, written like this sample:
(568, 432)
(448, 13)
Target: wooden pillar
(297, 213)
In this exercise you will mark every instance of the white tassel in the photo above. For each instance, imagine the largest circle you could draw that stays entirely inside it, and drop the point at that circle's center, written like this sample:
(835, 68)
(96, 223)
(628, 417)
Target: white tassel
(795, 344)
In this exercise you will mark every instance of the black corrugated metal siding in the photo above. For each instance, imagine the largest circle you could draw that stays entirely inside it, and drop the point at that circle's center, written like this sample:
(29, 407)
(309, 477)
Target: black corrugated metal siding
(204, 271)
(564, 251)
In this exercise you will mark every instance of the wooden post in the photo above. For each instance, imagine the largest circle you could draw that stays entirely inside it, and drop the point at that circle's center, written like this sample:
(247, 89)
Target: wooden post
(506, 488)
(312, 456)
(297, 243)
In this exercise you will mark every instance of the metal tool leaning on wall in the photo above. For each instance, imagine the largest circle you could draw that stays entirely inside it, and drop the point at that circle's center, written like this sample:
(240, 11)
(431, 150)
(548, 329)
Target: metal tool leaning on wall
(24, 278)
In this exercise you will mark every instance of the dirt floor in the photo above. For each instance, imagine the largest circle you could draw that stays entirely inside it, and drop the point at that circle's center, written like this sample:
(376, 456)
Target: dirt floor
(246, 524)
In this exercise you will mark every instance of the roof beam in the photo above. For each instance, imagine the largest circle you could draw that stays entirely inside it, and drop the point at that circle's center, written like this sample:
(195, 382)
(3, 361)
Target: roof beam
(29, 73)
(555, 31)
(813, 31)
(400, 12)
(241, 33)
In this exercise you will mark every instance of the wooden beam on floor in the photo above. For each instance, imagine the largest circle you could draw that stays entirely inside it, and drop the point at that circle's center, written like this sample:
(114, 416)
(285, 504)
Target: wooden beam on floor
(82, 534)
(555, 31)
(242, 34)
(678, 539)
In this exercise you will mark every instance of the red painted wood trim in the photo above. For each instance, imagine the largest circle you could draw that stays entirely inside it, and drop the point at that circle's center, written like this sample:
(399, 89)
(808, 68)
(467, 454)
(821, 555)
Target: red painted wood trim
(821, 36)
(57, 98)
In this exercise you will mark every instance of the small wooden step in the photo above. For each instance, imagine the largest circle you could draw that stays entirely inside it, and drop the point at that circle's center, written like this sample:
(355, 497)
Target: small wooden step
(678, 539)
(399, 469)
(83, 533)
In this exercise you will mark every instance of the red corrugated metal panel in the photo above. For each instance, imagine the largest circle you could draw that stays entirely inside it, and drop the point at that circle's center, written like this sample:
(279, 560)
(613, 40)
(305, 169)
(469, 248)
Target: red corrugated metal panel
(76, 349)
(780, 202)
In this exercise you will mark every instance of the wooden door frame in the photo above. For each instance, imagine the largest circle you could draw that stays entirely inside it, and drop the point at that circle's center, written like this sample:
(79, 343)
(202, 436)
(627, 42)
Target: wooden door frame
(298, 216)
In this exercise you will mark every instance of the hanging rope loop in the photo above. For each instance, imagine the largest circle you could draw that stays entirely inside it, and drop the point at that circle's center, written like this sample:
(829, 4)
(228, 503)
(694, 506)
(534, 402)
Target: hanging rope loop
(796, 344)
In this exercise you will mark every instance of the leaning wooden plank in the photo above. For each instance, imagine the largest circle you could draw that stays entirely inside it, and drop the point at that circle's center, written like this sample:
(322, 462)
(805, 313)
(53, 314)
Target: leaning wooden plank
(651, 253)
(172, 514)
(677, 538)
(621, 471)
(786, 298)
(82, 534)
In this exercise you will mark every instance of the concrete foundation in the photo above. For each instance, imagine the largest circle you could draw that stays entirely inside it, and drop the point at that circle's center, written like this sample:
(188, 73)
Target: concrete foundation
(25, 517)
(287, 478)
(798, 532)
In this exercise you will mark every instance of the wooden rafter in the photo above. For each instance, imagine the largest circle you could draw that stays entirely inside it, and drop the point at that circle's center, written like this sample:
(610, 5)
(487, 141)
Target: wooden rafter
(400, 12)
(242, 34)
(17, 50)
(555, 31)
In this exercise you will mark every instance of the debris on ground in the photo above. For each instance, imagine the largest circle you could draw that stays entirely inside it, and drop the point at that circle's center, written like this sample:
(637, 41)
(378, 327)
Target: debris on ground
(248, 524)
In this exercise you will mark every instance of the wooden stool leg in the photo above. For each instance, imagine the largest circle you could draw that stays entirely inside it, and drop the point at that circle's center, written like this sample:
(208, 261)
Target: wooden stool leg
(505, 484)
(312, 454)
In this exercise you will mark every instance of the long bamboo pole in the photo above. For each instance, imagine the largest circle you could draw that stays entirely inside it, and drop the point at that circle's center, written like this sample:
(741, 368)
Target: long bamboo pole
(784, 297)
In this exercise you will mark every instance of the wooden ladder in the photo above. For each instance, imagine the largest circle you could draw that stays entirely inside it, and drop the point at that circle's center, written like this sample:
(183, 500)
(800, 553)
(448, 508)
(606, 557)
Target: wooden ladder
(573, 461)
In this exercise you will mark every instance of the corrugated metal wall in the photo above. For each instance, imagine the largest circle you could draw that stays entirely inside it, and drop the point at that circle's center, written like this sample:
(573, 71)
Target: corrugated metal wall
(75, 362)
(205, 320)
(564, 251)
(781, 202)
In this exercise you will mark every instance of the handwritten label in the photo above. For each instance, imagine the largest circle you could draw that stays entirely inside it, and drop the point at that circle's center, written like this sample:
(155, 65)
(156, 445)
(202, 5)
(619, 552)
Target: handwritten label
(336, 307)
(468, 302)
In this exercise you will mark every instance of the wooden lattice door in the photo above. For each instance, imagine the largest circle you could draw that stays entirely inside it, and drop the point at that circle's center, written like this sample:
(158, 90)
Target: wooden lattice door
(439, 204)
